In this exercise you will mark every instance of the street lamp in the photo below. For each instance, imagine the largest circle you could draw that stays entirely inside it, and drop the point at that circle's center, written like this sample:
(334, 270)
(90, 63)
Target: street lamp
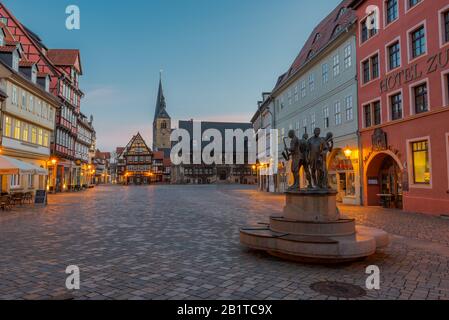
(348, 152)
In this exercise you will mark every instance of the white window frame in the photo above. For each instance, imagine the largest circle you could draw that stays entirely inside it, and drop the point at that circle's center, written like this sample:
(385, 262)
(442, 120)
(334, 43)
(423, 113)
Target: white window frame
(15, 181)
(348, 56)
(411, 89)
(303, 89)
(336, 65)
(410, 45)
(312, 82)
(15, 60)
(337, 112)
(445, 86)
(326, 116)
(349, 110)
(441, 26)
(411, 167)
(386, 23)
(408, 8)
(389, 113)
(387, 55)
(325, 73)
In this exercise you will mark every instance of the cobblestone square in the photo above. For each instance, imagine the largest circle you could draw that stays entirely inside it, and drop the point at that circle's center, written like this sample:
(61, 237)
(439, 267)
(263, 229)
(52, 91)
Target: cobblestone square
(182, 242)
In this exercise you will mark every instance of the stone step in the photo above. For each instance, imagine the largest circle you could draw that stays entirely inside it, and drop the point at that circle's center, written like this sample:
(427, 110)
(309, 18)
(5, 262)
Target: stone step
(342, 227)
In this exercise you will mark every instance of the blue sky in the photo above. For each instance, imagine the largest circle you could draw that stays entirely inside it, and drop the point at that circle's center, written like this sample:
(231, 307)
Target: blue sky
(217, 56)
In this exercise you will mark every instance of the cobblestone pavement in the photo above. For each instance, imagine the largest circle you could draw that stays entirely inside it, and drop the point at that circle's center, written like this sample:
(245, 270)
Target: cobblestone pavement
(173, 242)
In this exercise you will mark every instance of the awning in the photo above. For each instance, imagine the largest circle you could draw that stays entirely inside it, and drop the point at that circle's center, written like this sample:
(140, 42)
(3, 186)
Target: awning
(10, 166)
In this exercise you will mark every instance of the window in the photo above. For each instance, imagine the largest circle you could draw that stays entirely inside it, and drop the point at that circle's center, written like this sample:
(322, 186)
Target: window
(325, 73)
(326, 118)
(348, 56)
(2, 38)
(370, 69)
(336, 67)
(34, 135)
(377, 113)
(14, 97)
(30, 181)
(8, 126)
(394, 56)
(412, 3)
(349, 106)
(15, 60)
(367, 113)
(40, 140)
(446, 26)
(366, 72)
(25, 133)
(304, 124)
(392, 10)
(296, 93)
(396, 106)
(375, 67)
(303, 89)
(31, 104)
(421, 163)
(15, 181)
(418, 38)
(312, 82)
(313, 122)
(421, 103)
(17, 129)
(34, 74)
(369, 27)
(337, 113)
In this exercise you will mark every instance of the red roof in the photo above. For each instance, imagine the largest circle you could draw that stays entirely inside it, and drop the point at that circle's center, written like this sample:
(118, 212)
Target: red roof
(7, 48)
(323, 34)
(26, 64)
(65, 57)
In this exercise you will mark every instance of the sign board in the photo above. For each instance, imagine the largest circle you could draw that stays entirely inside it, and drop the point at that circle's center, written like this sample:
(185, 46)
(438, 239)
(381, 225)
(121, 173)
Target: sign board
(40, 197)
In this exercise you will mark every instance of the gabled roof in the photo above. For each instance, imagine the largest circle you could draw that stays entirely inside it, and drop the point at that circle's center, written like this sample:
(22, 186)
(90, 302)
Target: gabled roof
(138, 136)
(65, 58)
(341, 18)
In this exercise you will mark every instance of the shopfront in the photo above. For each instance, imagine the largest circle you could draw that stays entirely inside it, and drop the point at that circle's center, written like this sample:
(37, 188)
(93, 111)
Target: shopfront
(343, 177)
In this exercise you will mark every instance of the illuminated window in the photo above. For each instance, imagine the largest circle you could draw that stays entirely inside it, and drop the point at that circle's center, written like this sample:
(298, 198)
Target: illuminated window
(25, 133)
(46, 144)
(17, 129)
(40, 137)
(8, 125)
(34, 135)
(421, 163)
(15, 181)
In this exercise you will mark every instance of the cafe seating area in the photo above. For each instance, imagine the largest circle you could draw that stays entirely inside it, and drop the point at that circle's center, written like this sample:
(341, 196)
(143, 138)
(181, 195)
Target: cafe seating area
(9, 201)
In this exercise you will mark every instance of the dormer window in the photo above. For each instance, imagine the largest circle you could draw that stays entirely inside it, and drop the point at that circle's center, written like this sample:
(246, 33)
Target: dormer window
(2, 38)
(317, 37)
(47, 83)
(34, 74)
(15, 60)
(340, 13)
(336, 30)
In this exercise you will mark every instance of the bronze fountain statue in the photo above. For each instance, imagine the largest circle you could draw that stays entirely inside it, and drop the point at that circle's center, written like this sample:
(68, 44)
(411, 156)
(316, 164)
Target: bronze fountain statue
(311, 228)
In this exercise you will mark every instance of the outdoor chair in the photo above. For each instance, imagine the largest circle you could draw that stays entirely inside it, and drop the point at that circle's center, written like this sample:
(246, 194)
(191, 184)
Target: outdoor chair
(17, 198)
(5, 203)
(28, 198)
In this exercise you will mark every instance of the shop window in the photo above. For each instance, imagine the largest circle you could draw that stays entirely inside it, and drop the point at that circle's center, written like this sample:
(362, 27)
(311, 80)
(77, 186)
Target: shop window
(421, 162)
(15, 181)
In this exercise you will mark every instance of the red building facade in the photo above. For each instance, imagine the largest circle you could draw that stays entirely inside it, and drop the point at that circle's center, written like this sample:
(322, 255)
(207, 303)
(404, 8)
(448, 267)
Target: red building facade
(403, 74)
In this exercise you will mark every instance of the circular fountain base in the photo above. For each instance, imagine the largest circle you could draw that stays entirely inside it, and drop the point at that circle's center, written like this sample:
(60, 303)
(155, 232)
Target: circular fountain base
(312, 230)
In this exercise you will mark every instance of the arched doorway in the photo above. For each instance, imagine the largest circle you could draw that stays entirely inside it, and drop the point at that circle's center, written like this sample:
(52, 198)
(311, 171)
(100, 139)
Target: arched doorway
(384, 181)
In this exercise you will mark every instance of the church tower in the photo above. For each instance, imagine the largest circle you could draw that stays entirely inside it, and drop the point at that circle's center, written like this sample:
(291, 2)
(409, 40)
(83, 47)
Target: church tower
(162, 123)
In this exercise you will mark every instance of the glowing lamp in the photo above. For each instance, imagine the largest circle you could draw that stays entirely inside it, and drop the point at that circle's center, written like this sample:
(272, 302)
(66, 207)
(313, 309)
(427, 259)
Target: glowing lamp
(53, 161)
(348, 152)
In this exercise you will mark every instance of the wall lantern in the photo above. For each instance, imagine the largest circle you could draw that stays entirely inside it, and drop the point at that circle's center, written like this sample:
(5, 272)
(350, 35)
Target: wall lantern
(348, 152)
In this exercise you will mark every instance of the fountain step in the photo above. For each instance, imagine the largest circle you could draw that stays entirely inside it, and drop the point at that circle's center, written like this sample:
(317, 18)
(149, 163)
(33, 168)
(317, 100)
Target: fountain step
(339, 228)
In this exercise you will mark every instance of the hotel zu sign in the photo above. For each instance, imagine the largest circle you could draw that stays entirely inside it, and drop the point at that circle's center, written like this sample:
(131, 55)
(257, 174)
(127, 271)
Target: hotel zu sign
(415, 72)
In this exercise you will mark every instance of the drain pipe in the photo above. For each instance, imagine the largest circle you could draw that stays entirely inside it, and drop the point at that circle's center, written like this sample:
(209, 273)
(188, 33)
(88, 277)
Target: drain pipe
(361, 177)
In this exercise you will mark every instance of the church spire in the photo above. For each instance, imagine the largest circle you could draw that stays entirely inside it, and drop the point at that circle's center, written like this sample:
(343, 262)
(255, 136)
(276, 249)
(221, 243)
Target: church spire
(161, 106)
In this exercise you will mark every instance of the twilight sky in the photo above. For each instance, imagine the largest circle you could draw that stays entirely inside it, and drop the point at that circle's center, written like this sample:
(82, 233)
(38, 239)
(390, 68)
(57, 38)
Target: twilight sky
(217, 55)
